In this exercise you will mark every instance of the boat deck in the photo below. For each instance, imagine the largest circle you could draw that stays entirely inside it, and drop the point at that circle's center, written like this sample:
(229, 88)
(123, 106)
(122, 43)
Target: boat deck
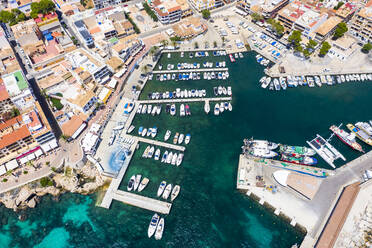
(201, 99)
(219, 69)
(142, 202)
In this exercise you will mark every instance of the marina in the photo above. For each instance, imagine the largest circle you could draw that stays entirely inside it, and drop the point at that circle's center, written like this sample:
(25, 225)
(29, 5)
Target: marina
(192, 70)
(212, 99)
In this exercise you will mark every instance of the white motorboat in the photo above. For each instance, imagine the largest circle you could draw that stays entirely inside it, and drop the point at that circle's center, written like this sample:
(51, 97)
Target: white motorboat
(146, 152)
(164, 158)
(219, 90)
(137, 182)
(157, 154)
(149, 131)
(167, 135)
(143, 184)
(216, 109)
(226, 105)
(266, 82)
(131, 183)
(144, 109)
(153, 225)
(161, 188)
(182, 110)
(149, 108)
(174, 159)
(180, 138)
(154, 131)
(139, 109)
(130, 129)
(158, 109)
(207, 107)
(187, 138)
(261, 144)
(175, 139)
(169, 158)
(224, 90)
(230, 106)
(221, 107)
(176, 190)
(179, 159)
(144, 131)
(173, 109)
(229, 92)
(154, 109)
(263, 153)
(151, 152)
(159, 229)
(167, 191)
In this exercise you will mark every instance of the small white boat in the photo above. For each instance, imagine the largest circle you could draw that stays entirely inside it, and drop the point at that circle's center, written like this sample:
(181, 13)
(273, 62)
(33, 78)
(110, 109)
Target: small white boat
(175, 139)
(180, 138)
(182, 110)
(221, 107)
(149, 108)
(130, 129)
(174, 159)
(151, 152)
(157, 154)
(173, 109)
(179, 159)
(131, 183)
(169, 158)
(167, 135)
(144, 109)
(158, 110)
(161, 188)
(216, 109)
(154, 109)
(176, 190)
(187, 138)
(144, 132)
(154, 131)
(144, 155)
(143, 184)
(137, 182)
(230, 106)
(159, 229)
(153, 225)
(164, 158)
(229, 91)
(207, 107)
(149, 131)
(167, 191)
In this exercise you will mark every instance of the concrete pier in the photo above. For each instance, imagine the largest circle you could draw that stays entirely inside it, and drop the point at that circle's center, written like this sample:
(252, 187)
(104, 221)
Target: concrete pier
(142, 202)
(160, 143)
(202, 99)
(219, 69)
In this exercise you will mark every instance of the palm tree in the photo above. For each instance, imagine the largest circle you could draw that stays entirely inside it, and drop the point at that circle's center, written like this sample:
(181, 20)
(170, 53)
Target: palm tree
(145, 69)
(214, 43)
(153, 50)
(196, 45)
(164, 42)
(174, 43)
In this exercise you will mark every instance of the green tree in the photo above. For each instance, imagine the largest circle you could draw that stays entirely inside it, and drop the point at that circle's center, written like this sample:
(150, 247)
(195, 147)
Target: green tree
(21, 17)
(324, 49)
(367, 47)
(256, 17)
(206, 13)
(16, 12)
(295, 38)
(6, 16)
(214, 44)
(276, 26)
(145, 69)
(340, 30)
(311, 44)
(339, 4)
(15, 112)
(164, 43)
(150, 12)
(46, 181)
(153, 50)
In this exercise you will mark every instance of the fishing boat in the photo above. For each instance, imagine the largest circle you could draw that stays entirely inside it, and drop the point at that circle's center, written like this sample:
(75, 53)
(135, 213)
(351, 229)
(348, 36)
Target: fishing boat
(174, 159)
(241, 55)
(182, 110)
(167, 191)
(363, 136)
(302, 160)
(154, 131)
(179, 159)
(140, 130)
(153, 225)
(176, 190)
(300, 150)
(131, 128)
(143, 184)
(164, 158)
(263, 153)
(157, 154)
(175, 139)
(169, 158)
(365, 127)
(161, 188)
(137, 182)
(151, 152)
(260, 144)
(173, 109)
(159, 229)
(207, 107)
(167, 135)
(347, 138)
(215, 91)
(180, 138)
(146, 152)
(187, 138)
(131, 183)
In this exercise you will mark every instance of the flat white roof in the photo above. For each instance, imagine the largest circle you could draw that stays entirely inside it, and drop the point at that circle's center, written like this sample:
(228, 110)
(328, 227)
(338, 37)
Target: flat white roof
(281, 177)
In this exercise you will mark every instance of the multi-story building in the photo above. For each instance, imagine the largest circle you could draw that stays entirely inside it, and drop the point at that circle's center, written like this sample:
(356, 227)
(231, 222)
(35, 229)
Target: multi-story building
(200, 5)
(100, 4)
(167, 11)
(267, 8)
(361, 24)
(326, 29)
(84, 34)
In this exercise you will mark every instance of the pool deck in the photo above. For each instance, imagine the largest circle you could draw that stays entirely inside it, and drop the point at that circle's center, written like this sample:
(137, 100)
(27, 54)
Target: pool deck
(142, 202)
(202, 99)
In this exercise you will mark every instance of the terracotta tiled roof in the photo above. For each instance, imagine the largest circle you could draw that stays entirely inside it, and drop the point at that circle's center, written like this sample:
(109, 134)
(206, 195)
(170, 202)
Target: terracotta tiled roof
(14, 136)
(70, 127)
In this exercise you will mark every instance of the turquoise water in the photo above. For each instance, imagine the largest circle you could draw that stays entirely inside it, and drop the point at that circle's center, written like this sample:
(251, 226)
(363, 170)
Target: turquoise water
(209, 212)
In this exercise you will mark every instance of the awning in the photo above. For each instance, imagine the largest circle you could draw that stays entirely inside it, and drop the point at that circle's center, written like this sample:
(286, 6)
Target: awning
(38, 153)
(79, 130)
(31, 156)
(2, 170)
(23, 160)
(104, 94)
(112, 84)
(12, 164)
(49, 145)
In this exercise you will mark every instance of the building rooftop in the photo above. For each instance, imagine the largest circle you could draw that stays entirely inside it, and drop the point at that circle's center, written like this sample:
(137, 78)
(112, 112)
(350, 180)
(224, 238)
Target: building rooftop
(328, 25)
(3, 92)
(15, 83)
(71, 126)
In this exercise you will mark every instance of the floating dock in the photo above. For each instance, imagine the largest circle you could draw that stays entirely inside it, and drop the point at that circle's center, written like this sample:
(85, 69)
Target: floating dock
(219, 69)
(142, 202)
(160, 143)
(202, 99)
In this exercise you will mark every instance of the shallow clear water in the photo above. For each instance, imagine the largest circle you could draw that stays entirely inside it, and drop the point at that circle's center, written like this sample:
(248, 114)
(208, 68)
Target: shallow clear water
(209, 212)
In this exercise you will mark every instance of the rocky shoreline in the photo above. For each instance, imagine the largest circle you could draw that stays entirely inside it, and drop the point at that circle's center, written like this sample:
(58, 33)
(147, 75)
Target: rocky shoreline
(83, 181)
